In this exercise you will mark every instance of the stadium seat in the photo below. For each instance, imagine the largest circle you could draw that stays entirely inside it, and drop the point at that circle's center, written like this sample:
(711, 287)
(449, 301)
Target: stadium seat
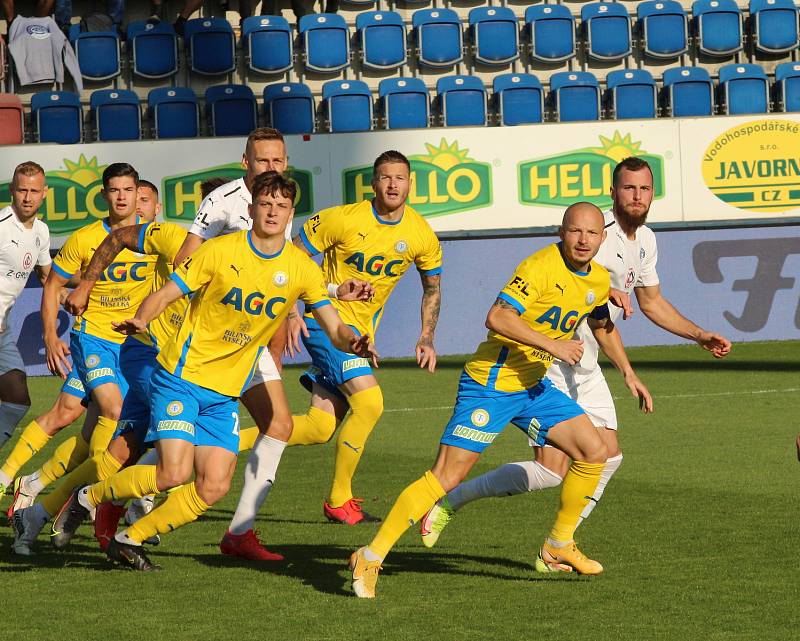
(494, 34)
(607, 30)
(347, 105)
(787, 86)
(289, 107)
(718, 27)
(58, 117)
(744, 89)
(326, 42)
(631, 94)
(231, 110)
(153, 48)
(12, 120)
(267, 43)
(774, 25)
(462, 101)
(664, 28)
(97, 52)
(518, 98)
(116, 114)
(438, 37)
(174, 112)
(404, 103)
(382, 36)
(688, 91)
(210, 46)
(575, 96)
(550, 30)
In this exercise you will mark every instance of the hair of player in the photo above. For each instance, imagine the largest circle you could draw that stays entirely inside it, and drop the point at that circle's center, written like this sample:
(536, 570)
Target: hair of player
(272, 183)
(263, 133)
(27, 168)
(210, 184)
(119, 170)
(631, 163)
(149, 185)
(386, 157)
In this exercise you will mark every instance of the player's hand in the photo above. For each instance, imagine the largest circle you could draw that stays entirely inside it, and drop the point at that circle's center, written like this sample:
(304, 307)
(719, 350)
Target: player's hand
(426, 354)
(621, 299)
(640, 391)
(568, 351)
(130, 326)
(363, 347)
(78, 299)
(56, 352)
(354, 289)
(295, 325)
(718, 345)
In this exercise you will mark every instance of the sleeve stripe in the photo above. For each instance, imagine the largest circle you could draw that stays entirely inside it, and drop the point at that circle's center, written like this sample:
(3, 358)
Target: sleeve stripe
(511, 301)
(180, 283)
(140, 242)
(431, 272)
(313, 250)
(321, 303)
(61, 271)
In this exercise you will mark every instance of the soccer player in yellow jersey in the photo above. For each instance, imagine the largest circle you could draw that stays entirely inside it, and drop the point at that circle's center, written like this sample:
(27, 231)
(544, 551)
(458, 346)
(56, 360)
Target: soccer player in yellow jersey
(531, 323)
(244, 284)
(94, 346)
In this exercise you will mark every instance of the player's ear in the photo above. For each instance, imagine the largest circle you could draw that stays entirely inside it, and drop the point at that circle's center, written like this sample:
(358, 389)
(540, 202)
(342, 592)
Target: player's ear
(605, 233)
(561, 232)
(244, 161)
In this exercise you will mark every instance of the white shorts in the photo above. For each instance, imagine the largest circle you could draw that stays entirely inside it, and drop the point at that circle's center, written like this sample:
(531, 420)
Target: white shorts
(10, 358)
(265, 371)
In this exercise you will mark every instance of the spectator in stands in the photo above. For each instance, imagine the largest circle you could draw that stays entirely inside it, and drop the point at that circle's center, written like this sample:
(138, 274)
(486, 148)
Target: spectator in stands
(8, 10)
(63, 11)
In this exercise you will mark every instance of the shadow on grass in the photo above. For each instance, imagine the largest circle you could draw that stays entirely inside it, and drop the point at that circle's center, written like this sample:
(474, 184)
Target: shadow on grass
(718, 367)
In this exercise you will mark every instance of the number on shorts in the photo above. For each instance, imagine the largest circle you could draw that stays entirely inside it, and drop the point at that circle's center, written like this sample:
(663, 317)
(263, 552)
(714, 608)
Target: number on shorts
(235, 417)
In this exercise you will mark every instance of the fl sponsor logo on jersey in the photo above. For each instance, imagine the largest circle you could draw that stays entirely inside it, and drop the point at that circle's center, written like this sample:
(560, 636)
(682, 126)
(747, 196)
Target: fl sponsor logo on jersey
(443, 181)
(582, 174)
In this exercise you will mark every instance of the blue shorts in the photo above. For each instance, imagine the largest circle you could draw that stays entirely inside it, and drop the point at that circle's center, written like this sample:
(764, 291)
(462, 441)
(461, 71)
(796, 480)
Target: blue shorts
(97, 362)
(72, 385)
(481, 413)
(137, 361)
(180, 409)
(330, 367)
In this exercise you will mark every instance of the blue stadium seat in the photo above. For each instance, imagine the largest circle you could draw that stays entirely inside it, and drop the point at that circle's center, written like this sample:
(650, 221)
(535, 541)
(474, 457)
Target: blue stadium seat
(550, 29)
(774, 25)
(97, 52)
(462, 101)
(495, 35)
(518, 98)
(231, 110)
(632, 94)
(116, 114)
(607, 30)
(174, 112)
(664, 28)
(404, 103)
(787, 86)
(438, 36)
(153, 48)
(744, 89)
(326, 42)
(58, 116)
(347, 105)
(718, 27)
(688, 91)
(267, 43)
(210, 46)
(575, 96)
(382, 35)
(289, 107)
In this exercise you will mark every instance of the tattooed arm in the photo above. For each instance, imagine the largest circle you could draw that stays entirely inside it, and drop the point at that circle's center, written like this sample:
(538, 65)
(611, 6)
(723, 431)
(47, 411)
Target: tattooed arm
(431, 303)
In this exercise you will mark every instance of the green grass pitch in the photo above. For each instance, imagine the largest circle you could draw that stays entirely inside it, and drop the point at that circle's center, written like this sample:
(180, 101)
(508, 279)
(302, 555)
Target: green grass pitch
(698, 531)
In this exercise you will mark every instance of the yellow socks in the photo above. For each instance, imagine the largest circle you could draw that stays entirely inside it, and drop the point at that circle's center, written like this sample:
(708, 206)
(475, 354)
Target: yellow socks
(247, 438)
(366, 408)
(409, 508)
(95, 469)
(68, 455)
(32, 439)
(101, 435)
(315, 426)
(182, 506)
(580, 482)
(133, 482)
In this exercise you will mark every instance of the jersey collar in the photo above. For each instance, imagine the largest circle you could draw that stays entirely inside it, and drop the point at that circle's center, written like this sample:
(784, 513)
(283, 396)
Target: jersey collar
(570, 267)
(262, 254)
(381, 220)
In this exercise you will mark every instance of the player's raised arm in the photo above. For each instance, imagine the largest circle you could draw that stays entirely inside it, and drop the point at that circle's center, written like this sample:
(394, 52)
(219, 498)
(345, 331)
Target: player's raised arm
(190, 245)
(56, 350)
(342, 336)
(429, 312)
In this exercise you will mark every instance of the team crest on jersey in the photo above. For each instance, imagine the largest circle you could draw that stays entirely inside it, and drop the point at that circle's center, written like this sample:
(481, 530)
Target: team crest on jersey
(479, 417)
(641, 253)
(27, 261)
(174, 408)
(38, 241)
(92, 360)
(279, 279)
(400, 246)
(629, 278)
(590, 297)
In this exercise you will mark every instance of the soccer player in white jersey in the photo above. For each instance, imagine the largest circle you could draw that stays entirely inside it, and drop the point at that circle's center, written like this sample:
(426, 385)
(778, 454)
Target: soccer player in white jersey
(629, 253)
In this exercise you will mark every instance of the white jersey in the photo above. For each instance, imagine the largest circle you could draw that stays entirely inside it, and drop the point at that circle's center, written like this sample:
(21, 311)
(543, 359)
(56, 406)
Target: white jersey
(21, 249)
(225, 210)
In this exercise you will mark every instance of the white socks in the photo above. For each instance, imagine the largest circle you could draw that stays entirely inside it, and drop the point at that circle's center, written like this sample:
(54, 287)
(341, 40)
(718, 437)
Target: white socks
(612, 465)
(259, 475)
(10, 416)
(509, 479)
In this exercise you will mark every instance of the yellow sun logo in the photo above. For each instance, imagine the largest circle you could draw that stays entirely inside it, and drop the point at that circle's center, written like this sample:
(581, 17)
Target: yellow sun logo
(445, 156)
(618, 147)
(84, 172)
